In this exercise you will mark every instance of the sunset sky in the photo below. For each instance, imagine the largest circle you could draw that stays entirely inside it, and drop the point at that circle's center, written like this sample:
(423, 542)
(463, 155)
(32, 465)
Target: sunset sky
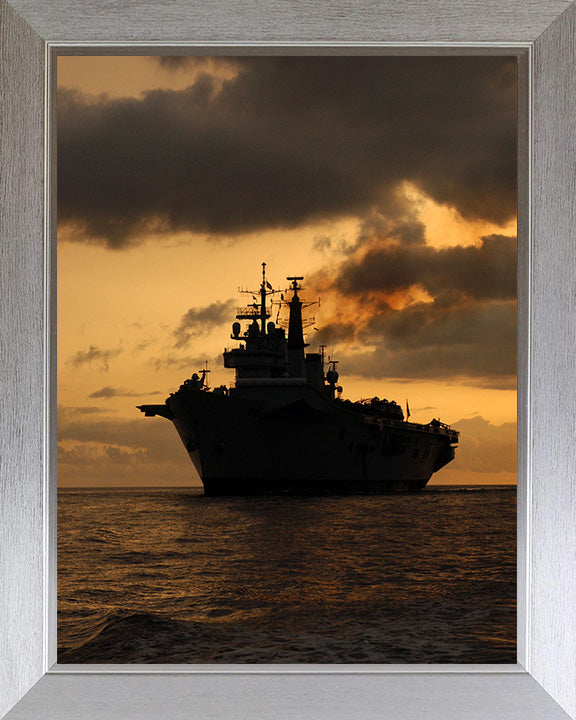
(389, 183)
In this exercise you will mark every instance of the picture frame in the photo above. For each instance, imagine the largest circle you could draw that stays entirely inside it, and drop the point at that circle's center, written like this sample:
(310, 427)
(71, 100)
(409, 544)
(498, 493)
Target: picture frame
(543, 684)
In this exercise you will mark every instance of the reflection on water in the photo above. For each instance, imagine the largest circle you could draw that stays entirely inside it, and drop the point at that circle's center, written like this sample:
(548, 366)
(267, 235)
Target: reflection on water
(156, 575)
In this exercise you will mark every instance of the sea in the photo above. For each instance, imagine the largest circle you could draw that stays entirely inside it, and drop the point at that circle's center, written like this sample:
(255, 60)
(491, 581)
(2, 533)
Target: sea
(166, 575)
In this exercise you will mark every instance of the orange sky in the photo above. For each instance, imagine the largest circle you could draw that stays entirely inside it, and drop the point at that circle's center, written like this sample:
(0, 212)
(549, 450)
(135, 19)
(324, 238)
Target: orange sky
(120, 307)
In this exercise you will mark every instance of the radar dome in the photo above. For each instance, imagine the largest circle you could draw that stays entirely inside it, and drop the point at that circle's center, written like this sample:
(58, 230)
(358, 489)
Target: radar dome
(332, 377)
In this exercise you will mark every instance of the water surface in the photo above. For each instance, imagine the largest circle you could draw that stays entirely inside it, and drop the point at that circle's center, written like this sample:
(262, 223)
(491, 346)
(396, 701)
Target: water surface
(169, 576)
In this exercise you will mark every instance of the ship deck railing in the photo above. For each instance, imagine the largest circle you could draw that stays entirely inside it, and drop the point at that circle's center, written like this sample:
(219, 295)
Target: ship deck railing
(440, 429)
(248, 312)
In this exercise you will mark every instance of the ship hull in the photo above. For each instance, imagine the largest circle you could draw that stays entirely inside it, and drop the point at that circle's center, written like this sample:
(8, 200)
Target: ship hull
(306, 446)
(216, 487)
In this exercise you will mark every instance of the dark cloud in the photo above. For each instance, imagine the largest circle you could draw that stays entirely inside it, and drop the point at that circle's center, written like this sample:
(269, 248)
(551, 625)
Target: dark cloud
(400, 224)
(336, 332)
(94, 355)
(475, 341)
(484, 272)
(111, 392)
(201, 320)
(468, 329)
(287, 141)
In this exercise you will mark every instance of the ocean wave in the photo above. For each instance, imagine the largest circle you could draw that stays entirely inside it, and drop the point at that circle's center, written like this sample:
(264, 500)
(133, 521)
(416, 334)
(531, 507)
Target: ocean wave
(391, 637)
(125, 638)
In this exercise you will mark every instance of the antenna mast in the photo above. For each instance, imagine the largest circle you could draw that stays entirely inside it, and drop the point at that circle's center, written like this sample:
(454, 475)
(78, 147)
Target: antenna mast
(263, 314)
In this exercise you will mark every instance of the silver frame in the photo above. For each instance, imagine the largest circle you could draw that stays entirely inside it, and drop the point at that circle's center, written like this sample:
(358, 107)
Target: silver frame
(543, 32)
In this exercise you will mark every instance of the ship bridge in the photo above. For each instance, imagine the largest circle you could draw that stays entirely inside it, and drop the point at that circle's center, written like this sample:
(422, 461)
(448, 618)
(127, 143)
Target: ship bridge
(267, 352)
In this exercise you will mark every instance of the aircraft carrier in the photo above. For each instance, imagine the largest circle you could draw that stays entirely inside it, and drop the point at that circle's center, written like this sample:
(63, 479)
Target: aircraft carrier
(282, 426)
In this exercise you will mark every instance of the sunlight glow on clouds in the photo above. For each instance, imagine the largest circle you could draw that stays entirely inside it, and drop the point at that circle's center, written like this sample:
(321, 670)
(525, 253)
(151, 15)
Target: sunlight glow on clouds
(389, 183)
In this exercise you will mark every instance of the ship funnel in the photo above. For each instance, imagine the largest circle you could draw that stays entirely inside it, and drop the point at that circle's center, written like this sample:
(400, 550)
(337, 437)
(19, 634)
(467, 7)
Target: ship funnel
(296, 344)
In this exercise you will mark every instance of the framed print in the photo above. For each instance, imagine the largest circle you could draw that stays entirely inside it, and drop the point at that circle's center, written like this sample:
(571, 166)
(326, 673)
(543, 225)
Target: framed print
(276, 531)
(542, 684)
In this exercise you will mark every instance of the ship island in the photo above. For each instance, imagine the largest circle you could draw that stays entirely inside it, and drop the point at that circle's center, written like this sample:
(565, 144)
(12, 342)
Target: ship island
(282, 425)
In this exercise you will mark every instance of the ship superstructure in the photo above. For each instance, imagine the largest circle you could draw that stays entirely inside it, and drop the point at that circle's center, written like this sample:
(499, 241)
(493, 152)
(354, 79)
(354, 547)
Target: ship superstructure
(283, 427)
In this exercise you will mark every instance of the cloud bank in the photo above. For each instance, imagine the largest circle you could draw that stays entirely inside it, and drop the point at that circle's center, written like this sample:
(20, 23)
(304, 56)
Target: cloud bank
(464, 328)
(287, 141)
(486, 453)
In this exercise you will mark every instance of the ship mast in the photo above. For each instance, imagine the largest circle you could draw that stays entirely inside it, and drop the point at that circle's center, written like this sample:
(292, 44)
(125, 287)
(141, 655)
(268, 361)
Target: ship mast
(257, 311)
(263, 314)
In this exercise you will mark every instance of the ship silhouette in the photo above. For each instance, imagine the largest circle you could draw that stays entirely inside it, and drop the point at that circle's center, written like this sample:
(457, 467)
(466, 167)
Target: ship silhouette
(283, 427)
